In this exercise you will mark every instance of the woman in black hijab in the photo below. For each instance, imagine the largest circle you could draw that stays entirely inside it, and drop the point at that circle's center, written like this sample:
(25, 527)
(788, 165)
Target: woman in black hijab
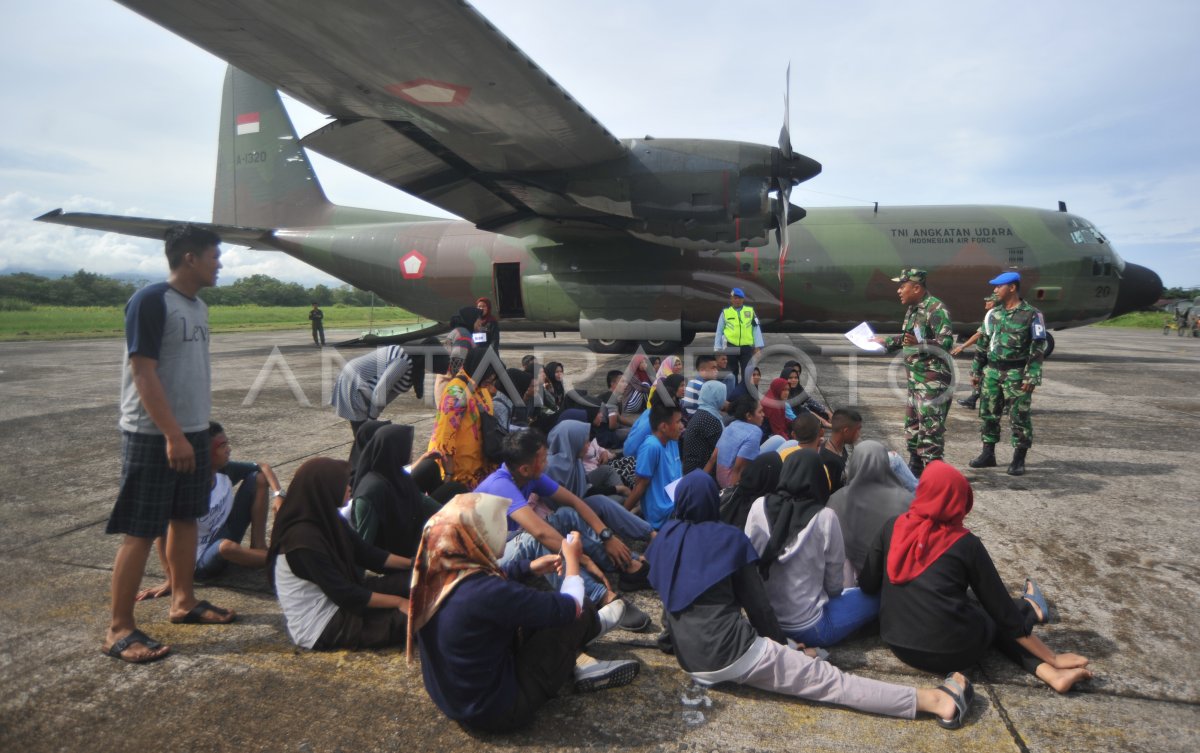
(759, 478)
(315, 565)
(387, 507)
(803, 557)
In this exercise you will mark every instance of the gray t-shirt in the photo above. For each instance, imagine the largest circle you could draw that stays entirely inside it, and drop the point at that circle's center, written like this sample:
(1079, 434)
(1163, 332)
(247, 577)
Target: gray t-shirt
(165, 325)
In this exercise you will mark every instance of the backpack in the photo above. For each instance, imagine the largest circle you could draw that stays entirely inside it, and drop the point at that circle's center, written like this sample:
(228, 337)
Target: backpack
(493, 437)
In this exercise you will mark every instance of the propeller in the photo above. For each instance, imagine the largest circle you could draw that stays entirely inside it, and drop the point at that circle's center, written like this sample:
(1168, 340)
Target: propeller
(788, 170)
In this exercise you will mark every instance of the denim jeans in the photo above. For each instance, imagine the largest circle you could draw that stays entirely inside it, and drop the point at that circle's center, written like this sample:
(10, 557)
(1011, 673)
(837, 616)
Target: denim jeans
(624, 523)
(525, 547)
(842, 616)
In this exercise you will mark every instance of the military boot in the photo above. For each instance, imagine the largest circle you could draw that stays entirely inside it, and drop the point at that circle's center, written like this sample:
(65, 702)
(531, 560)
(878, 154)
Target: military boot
(970, 402)
(916, 465)
(1017, 466)
(987, 458)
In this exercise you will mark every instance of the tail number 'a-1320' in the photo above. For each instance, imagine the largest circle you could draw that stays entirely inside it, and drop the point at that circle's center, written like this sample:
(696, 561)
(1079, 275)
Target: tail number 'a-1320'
(250, 158)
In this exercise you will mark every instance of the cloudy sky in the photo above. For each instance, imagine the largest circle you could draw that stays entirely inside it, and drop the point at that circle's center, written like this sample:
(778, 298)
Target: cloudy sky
(923, 102)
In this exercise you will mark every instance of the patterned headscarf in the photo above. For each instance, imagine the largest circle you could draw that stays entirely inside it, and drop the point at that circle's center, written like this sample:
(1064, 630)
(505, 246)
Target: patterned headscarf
(463, 538)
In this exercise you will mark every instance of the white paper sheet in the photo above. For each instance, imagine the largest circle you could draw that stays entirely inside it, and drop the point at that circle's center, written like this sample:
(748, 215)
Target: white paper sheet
(862, 336)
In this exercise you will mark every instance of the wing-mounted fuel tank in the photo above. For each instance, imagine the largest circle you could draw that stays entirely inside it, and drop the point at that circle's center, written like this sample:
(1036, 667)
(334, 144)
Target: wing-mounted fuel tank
(684, 193)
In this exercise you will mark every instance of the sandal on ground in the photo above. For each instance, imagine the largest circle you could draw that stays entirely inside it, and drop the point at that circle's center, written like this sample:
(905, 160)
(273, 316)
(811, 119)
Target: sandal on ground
(117, 649)
(1033, 594)
(962, 698)
(196, 615)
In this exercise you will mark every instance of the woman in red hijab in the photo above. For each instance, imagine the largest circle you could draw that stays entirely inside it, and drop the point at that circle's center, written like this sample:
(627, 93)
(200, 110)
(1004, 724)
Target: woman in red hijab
(774, 408)
(922, 564)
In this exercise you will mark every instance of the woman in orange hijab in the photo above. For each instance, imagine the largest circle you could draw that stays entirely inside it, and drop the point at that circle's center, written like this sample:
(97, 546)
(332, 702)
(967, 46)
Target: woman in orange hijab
(922, 564)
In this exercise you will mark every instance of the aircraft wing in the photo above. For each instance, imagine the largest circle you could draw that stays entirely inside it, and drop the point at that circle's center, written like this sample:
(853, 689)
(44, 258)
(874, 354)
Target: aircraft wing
(428, 96)
(144, 227)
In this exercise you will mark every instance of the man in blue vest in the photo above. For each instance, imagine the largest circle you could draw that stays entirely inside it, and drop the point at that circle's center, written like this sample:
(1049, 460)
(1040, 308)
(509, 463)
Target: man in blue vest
(738, 332)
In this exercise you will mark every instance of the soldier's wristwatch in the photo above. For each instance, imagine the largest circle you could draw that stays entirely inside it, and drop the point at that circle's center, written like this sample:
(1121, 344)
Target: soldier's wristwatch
(606, 534)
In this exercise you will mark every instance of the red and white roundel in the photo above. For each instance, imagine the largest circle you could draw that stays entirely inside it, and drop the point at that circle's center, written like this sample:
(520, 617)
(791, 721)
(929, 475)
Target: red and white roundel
(412, 265)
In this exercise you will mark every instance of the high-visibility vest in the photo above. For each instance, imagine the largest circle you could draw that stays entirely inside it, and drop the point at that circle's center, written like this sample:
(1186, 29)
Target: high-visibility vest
(739, 325)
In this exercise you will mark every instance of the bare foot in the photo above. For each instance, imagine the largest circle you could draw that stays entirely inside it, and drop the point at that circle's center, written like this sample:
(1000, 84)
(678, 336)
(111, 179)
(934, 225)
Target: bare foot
(1062, 680)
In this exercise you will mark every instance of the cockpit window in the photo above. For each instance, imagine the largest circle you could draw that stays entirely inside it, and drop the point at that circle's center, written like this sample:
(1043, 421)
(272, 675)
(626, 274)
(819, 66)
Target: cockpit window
(1083, 232)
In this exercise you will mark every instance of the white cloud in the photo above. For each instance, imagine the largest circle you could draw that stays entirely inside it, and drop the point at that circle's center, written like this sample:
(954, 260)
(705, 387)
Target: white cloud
(927, 102)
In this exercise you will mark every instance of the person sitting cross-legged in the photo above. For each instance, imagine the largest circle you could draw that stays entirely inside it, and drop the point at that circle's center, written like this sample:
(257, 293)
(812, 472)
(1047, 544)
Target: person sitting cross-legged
(493, 651)
(534, 529)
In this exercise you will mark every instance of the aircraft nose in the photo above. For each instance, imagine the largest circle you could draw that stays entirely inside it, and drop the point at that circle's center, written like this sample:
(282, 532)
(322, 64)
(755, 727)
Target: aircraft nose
(1140, 288)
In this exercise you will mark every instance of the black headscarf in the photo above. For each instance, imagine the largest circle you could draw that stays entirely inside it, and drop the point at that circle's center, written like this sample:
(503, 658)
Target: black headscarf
(802, 493)
(361, 438)
(521, 379)
(555, 383)
(309, 518)
(381, 479)
(758, 479)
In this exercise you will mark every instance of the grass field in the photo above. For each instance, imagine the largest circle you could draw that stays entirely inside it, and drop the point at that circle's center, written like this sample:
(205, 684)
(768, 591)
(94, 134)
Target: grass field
(66, 323)
(1138, 320)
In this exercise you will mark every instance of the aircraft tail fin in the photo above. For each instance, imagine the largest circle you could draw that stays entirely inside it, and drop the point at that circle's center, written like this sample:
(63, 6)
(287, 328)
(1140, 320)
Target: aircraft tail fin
(264, 178)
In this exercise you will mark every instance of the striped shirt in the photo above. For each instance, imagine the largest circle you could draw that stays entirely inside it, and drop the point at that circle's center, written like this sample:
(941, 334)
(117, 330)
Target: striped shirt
(368, 383)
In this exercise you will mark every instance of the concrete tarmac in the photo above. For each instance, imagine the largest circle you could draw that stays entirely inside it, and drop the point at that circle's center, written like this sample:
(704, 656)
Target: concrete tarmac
(1107, 519)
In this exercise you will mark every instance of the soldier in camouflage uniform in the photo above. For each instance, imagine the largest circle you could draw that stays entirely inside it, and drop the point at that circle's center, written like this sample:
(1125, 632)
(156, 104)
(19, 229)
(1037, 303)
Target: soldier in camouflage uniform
(1008, 366)
(927, 338)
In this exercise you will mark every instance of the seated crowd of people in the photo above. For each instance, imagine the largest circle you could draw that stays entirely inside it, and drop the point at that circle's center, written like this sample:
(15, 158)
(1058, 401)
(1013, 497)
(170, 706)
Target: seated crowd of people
(767, 527)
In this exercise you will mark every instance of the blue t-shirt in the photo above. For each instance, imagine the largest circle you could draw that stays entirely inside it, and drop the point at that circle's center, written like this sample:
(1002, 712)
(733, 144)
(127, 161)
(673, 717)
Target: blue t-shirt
(739, 440)
(662, 466)
(502, 484)
(637, 434)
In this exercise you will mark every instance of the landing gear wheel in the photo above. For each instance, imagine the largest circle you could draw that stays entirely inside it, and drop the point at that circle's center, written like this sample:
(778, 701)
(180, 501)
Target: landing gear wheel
(1049, 345)
(661, 347)
(688, 337)
(610, 346)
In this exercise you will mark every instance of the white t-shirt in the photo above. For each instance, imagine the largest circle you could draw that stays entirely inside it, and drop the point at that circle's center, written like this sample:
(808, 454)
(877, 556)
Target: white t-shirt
(220, 504)
(304, 605)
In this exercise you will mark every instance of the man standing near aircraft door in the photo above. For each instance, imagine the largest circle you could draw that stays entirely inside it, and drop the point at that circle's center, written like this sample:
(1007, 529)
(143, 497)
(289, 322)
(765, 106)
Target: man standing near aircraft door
(738, 328)
(1008, 366)
(926, 340)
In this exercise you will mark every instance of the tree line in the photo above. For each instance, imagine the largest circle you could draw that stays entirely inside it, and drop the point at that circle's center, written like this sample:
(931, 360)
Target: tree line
(23, 290)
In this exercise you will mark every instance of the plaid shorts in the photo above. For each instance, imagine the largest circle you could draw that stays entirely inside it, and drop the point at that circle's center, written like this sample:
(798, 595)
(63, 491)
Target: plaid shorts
(151, 493)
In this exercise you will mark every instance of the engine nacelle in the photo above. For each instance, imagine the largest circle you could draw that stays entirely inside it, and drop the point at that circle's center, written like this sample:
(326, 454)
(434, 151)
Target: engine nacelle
(689, 193)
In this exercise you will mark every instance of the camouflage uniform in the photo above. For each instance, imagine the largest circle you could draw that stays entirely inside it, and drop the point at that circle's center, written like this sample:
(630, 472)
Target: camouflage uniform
(929, 377)
(1006, 358)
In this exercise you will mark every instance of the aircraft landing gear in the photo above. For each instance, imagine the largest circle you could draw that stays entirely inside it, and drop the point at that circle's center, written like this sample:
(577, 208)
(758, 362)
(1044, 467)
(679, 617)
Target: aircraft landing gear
(610, 346)
(1049, 345)
(661, 347)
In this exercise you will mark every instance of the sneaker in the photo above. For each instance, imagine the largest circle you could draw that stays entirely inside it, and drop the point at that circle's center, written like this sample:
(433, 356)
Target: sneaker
(610, 615)
(639, 581)
(634, 620)
(605, 674)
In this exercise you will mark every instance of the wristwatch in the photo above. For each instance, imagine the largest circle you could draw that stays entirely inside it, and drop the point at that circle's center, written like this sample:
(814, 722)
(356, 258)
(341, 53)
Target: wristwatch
(606, 534)
(278, 493)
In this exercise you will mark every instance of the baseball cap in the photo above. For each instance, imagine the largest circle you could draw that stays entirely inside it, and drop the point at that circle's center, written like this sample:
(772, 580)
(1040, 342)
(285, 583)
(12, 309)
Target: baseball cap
(911, 274)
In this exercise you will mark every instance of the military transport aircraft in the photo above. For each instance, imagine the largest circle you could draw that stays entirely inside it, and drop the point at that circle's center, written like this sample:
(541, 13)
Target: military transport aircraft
(567, 227)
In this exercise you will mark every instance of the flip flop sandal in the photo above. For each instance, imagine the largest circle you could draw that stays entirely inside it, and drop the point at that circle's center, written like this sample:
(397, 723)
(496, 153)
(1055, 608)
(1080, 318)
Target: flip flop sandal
(962, 698)
(1033, 593)
(137, 636)
(196, 615)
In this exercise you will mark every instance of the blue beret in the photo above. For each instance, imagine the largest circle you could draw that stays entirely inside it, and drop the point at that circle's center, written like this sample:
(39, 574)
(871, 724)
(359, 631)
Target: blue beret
(738, 292)
(1006, 278)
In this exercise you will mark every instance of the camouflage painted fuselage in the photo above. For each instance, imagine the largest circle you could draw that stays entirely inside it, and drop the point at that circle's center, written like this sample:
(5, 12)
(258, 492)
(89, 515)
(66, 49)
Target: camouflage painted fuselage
(836, 273)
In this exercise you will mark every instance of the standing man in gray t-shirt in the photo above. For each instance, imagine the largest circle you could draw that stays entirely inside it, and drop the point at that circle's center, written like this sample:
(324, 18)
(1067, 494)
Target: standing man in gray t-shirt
(166, 398)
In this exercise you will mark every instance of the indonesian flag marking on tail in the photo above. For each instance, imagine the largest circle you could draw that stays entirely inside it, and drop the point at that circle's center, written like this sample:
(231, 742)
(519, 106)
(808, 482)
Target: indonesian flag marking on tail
(247, 123)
